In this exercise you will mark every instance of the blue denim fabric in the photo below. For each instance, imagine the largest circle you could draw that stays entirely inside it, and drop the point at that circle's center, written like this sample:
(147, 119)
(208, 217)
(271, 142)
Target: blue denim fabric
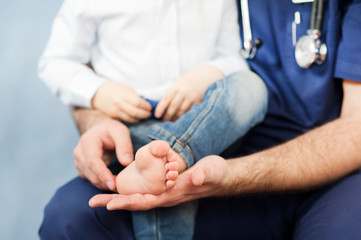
(230, 108)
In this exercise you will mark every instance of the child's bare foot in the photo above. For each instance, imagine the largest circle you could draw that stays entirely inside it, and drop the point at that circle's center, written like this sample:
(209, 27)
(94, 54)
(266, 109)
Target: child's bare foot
(154, 170)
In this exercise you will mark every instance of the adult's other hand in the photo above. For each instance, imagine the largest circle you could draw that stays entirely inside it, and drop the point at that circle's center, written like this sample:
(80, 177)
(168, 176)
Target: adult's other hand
(106, 135)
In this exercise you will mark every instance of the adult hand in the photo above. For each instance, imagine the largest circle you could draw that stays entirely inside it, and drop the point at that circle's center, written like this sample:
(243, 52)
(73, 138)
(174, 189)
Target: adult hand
(186, 91)
(106, 135)
(206, 178)
(120, 101)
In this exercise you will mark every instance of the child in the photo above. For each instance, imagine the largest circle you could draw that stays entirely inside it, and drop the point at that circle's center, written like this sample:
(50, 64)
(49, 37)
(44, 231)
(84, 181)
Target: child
(171, 51)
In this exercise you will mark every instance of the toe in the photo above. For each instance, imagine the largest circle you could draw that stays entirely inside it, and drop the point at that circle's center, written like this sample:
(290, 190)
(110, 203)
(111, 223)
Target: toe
(172, 175)
(159, 148)
(171, 166)
(170, 184)
(172, 156)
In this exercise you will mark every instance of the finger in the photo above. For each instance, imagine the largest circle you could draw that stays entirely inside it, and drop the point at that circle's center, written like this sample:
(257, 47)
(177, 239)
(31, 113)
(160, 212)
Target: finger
(163, 104)
(125, 117)
(124, 202)
(173, 107)
(136, 112)
(95, 163)
(96, 181)
(134, 202)
(101, 200)
(100, 170)
(198, 177)
(122, 144)
(186, 105)
(209, 170)
(139, 102)
(88, 161)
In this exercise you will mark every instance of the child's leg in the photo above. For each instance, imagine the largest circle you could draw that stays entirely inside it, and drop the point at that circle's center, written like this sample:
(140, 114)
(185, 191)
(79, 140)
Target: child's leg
(177, 222)
(229, 109)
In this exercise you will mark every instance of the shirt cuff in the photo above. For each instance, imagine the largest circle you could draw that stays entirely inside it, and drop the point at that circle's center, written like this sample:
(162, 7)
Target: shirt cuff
(82, 91)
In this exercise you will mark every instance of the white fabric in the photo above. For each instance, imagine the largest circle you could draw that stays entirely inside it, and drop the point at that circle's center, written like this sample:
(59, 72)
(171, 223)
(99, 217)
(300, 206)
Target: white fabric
(146, 44)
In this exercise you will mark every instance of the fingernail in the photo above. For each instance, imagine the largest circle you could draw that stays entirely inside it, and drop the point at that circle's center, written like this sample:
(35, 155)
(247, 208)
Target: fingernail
(127, 158)
(109, 185)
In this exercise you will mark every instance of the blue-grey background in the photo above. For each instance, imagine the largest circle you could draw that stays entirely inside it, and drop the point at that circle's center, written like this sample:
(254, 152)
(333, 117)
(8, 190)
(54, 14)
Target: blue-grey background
(37, 134)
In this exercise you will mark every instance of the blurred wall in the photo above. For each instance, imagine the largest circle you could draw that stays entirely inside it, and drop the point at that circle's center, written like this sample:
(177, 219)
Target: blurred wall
(37, 134)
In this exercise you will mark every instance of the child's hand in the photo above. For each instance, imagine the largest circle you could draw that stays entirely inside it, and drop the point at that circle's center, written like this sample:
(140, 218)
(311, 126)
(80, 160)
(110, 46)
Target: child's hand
(186, 91)
(120, 101)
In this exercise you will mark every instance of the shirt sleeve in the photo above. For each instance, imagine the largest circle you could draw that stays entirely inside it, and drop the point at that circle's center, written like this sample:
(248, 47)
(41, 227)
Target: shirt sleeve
(63, 64)
(228, 58)
(348, 63)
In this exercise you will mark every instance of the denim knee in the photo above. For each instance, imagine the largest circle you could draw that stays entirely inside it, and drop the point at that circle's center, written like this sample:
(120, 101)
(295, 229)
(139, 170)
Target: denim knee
(246, 96)
(230, 108)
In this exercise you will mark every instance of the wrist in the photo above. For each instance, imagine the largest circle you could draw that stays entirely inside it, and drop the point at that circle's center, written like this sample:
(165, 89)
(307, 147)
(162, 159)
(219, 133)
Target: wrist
(236, 178)
(98, 95)
(226, 187)
(86, 118)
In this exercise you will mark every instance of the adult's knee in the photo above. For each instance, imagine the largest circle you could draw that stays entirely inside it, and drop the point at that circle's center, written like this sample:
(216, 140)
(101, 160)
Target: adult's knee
(68, 216)
(333, 212)
(65, 212)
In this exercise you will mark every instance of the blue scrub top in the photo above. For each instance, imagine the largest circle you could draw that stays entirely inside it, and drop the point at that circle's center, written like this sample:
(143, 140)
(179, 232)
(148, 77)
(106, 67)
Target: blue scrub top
(301, 99)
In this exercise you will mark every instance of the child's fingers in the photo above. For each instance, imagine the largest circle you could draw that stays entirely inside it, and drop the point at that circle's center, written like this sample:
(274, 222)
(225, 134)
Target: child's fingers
(121, 115)
(138, 102)
(163, 104)
(173, 107)
(135, 112)
(186, 105)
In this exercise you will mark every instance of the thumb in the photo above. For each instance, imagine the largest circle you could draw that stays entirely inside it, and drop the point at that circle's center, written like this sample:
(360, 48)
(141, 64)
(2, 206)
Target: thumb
(199, 177)
(210, 169)
(123, 145)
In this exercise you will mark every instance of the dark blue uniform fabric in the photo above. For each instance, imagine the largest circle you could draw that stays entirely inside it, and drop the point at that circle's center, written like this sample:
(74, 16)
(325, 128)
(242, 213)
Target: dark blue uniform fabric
(300, 99)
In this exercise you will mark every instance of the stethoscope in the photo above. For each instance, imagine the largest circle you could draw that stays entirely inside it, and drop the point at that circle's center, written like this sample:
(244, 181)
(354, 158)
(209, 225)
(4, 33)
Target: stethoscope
(309, 48)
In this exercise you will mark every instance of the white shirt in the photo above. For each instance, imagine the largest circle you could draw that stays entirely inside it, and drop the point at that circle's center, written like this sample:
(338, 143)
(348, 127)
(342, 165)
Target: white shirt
(146, 44)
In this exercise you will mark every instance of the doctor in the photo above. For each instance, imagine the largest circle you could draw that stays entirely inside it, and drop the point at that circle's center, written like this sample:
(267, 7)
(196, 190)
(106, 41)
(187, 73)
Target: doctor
(299, 175)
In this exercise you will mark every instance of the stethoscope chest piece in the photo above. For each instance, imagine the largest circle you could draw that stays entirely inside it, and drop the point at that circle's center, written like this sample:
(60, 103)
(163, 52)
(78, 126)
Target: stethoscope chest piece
(309, 49)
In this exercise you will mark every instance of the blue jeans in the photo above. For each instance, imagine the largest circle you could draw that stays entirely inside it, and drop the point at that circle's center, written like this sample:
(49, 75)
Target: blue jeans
(230, 108)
